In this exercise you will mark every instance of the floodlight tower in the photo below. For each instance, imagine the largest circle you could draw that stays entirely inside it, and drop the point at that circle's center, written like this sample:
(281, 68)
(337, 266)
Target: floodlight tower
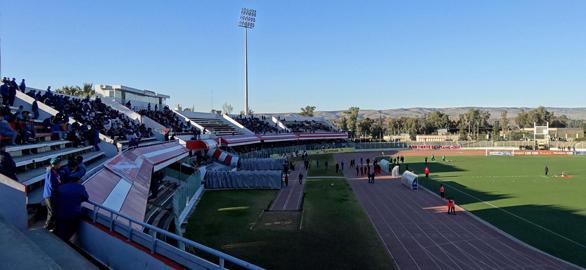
(247, 20)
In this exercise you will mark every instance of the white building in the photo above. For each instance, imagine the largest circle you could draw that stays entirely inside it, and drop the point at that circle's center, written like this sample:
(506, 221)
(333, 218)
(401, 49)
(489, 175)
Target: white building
(138, 98)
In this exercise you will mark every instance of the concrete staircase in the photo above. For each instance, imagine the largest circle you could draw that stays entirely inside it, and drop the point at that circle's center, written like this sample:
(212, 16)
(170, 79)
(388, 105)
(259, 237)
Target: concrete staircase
(37, 249)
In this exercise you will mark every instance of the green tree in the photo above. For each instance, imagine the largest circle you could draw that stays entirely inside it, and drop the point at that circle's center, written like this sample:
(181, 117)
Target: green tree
(504, 123)
(435, 121)
(364, 126)
(70, 90)
(342, 123)
(376, 130)
(352, 119)
(87, 90)
(227, 108)
(307, 111)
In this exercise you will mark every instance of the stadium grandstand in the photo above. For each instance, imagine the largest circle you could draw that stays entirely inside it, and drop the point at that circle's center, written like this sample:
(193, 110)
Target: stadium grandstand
(145, 168)
(337, 158)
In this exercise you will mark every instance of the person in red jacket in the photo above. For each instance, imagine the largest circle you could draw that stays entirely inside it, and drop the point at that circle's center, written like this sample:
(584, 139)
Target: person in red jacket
(451, 206)
(426, 171)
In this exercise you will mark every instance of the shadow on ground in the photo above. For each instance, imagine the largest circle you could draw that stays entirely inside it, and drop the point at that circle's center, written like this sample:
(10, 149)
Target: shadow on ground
(558, 231)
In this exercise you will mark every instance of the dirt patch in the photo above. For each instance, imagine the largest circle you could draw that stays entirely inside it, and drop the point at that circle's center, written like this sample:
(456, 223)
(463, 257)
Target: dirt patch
(279, 221)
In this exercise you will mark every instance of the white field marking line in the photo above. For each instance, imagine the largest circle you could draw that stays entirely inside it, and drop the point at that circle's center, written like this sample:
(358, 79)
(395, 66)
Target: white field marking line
(439, 263)
(377, 232)
(482, 241)
(293, 189)
(524, 254)
(468, 256)
(386, 224)
(289, 197)
(521, 218)
(367, 201)
(279, 195)
(326, 177)
(510, 237)
(455, 261)
(491, 259)
(433, 257)
(295, 172)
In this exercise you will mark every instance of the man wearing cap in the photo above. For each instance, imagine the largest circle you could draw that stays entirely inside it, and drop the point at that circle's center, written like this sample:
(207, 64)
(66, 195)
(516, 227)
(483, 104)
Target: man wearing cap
(52, 181)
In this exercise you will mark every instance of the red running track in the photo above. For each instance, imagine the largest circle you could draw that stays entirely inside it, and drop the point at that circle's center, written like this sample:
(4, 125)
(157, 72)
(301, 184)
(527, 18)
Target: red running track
(419, 234)
(289, 197)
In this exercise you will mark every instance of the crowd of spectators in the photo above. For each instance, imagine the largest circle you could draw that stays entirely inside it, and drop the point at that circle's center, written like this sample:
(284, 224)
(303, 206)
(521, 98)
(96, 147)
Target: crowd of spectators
(93, 117)
(167, 118)
(310, 126)
(8, 90)
(256, 124)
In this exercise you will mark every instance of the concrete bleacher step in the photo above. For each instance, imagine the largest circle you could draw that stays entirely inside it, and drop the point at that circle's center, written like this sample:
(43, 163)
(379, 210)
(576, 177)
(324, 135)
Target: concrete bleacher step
(42, 157)
(19, 252)
(37, 148)
(34, 183)
(30, 177)
(61, 253)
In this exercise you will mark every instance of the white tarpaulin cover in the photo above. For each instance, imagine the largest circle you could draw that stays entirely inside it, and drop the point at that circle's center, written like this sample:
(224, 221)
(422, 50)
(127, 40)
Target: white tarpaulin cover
(409, 179)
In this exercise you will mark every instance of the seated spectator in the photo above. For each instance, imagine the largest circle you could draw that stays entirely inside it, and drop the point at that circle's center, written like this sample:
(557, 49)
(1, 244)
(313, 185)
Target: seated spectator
(65, 171)
(310, 126)
(133, 140)
(94, 116)
(257, 125)
(7, 132)
(81, 169)
(7, 164)
(18, 113)
(168, 119)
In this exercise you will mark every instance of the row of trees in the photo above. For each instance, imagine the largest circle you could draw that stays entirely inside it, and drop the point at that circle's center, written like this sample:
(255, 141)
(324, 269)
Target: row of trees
(473, 124)
(87, 90)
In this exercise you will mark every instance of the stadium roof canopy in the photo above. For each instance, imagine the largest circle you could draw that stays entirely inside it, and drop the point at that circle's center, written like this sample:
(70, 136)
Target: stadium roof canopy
(123, 183)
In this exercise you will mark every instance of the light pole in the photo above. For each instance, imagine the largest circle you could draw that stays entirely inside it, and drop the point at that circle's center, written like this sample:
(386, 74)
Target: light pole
(247, 20)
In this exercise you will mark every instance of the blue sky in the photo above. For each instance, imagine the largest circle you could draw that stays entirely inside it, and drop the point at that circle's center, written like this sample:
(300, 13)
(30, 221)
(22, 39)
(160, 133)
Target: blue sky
(331, 54)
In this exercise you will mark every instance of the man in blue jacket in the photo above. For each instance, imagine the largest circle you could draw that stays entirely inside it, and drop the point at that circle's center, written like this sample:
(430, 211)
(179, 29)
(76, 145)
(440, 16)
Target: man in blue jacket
(22, 86)
(12, 88)
(35, 109)
(52, 181)
(70, 195)
(4, 91)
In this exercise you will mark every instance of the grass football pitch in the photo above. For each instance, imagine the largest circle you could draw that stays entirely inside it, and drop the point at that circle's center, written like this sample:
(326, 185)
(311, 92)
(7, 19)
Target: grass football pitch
(335, 232)
(515, 195)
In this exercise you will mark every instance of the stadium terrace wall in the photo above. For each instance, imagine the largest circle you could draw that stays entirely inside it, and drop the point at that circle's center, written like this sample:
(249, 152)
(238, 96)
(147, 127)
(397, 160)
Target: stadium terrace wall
(13, 201)
(258, 138)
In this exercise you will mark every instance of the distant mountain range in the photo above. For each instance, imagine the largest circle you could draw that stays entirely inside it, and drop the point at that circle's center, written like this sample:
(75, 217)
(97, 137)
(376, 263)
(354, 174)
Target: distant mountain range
(453, 113)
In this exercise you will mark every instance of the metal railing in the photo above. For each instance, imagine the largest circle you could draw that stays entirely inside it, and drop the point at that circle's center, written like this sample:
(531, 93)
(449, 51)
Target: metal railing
(267, 152)
(133, 231)
(185, 192)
